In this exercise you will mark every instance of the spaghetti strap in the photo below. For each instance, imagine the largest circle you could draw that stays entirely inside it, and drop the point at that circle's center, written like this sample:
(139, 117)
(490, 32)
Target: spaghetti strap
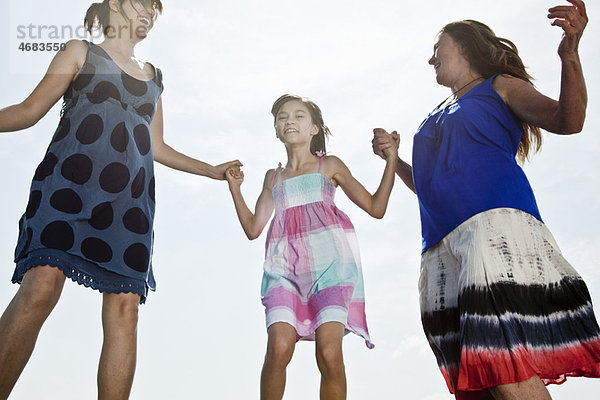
(275, 174)
(320, 162)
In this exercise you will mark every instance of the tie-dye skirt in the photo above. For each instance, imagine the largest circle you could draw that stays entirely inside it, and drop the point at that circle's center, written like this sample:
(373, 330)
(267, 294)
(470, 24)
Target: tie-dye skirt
(500, 304)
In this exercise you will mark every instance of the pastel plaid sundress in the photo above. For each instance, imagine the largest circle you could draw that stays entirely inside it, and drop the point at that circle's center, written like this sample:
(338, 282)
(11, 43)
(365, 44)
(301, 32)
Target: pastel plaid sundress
(312, 270)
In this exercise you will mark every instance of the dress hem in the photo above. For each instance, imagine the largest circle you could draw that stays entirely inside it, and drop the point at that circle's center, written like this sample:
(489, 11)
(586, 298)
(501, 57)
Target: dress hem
(557, 379)
(311, 334)
(77, 275)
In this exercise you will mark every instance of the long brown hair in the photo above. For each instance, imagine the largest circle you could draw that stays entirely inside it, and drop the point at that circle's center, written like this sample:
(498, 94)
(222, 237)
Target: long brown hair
(489, 55)
(317, 143)
(98, 14)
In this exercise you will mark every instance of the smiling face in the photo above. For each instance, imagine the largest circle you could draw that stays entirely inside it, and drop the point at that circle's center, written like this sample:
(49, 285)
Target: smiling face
(293, 123)
(448, 61)
(135, 17)
(143, 17)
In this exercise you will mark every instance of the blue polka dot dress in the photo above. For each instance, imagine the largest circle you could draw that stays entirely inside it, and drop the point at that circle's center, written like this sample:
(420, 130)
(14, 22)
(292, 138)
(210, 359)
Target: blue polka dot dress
(91, 205)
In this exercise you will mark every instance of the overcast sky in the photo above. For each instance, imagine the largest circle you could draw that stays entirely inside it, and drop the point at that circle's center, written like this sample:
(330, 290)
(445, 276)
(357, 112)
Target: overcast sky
(202, 334)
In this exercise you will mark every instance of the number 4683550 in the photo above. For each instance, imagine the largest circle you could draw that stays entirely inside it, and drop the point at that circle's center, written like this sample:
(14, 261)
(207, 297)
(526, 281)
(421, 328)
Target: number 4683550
(49, 46)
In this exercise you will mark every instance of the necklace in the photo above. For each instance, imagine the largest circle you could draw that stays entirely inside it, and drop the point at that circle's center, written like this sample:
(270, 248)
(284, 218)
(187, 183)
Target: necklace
(454, 93)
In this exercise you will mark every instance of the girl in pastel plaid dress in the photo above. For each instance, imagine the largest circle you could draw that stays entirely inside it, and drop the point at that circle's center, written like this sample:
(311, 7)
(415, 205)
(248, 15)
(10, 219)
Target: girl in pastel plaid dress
(312, 285)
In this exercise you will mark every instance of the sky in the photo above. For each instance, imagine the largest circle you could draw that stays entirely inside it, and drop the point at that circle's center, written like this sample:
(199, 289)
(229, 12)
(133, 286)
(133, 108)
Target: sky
(202, 334)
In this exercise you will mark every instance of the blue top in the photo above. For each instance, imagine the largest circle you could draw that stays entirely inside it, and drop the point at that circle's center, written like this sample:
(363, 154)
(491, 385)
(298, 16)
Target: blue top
(464, 163)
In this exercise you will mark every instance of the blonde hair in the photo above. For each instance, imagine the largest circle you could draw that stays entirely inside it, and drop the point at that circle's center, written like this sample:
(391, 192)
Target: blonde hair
(489, 55)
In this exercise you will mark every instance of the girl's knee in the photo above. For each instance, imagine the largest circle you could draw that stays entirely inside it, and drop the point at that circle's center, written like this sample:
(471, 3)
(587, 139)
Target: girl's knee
(330, 358)
(279, 350)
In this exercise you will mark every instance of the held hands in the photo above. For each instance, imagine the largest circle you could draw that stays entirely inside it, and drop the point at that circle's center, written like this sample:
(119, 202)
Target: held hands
(385, 145)
(234, 176)
(222, 168)
(572, 20)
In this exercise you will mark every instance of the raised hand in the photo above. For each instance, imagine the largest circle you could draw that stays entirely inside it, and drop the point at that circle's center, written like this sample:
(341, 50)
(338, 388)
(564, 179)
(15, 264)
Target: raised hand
(234, 175)
(572, 19)
(391, 152)
(385, 144)
(221, 168)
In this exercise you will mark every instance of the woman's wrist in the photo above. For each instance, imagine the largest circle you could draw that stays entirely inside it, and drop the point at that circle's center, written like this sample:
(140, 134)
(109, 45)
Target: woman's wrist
(211, 171)
(569, 57)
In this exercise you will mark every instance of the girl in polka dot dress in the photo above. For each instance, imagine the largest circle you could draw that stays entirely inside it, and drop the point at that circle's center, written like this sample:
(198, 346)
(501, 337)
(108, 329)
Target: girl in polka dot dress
(91, 205)
(312, 285)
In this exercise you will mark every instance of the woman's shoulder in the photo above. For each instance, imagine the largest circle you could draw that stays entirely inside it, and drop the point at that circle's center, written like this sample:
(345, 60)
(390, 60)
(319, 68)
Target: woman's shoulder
(157, 71)
(76, 49)
(504, 80)
(505, 85)
(77, 45)
(70, 59)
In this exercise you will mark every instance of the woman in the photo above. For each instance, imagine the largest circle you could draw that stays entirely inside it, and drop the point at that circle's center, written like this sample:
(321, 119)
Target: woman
(503, 311)
(91, 205)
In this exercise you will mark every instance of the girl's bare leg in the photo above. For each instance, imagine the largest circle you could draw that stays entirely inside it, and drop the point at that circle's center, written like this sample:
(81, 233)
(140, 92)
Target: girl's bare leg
(330, 361)
(280, 348)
